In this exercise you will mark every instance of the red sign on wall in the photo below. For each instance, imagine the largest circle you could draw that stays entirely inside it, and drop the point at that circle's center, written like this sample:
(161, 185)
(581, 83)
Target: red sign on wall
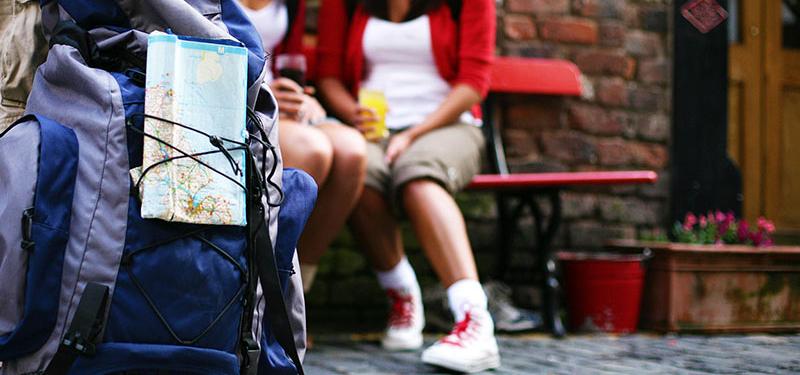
(705, 15)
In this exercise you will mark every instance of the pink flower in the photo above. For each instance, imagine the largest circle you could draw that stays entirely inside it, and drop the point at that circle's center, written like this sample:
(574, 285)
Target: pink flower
(720, 217)
(703, 222)
(766, 225)
(756, 237)
(689, 221)
(711, 218)
(743, 231)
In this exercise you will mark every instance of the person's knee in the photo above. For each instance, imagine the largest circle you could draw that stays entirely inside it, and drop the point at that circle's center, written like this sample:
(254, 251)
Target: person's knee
(416, 189)
(315, 154)
(350, 150)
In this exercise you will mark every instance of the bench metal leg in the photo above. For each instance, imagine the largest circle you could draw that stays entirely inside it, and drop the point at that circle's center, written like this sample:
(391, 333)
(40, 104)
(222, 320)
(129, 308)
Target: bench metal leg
(546, 230)
(510, 207)
(506, 228)
(551, 286)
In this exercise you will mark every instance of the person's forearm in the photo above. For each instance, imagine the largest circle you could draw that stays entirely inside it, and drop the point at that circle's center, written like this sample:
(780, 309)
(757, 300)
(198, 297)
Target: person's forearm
(337, 99)
(460, 99)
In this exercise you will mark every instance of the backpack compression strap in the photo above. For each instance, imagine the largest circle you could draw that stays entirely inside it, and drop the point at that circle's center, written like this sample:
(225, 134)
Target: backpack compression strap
(86, 325)
(268, 273)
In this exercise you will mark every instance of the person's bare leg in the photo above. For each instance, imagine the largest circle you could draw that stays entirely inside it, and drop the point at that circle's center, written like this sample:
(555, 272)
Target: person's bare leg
(338, 195)
(440, 229)
(377, 230)
(306, 148)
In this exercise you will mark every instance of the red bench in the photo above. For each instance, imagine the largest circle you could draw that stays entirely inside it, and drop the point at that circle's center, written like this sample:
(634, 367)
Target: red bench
(516, 192)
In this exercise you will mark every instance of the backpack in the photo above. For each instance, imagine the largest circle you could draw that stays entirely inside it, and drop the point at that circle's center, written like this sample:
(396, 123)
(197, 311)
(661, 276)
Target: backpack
(88, 286)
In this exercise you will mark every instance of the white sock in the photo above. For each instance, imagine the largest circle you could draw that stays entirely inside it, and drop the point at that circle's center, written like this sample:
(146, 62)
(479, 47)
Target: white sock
(464, 295)
(307, 274)
(401, 277)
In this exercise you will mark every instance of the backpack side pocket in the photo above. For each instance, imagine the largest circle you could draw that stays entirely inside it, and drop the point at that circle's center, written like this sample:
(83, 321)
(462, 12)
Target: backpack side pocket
(32, 259)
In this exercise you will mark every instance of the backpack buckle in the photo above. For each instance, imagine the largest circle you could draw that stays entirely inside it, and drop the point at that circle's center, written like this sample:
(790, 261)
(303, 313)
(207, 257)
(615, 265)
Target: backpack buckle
(78, 344)
(27, 229)
(251, 351)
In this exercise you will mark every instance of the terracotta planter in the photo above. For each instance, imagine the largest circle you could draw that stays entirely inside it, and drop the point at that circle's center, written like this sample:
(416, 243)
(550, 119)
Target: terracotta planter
(719, 288)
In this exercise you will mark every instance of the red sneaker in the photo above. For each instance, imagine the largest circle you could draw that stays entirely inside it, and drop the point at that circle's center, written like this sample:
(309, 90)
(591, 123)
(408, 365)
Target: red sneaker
(470, 346)
(406, 320)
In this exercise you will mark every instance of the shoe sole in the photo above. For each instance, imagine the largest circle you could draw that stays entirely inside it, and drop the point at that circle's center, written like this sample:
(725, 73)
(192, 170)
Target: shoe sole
(401, 346)
(488, 363)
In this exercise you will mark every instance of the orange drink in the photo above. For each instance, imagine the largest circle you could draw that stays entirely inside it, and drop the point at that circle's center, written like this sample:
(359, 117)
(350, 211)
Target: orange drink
(376, 101)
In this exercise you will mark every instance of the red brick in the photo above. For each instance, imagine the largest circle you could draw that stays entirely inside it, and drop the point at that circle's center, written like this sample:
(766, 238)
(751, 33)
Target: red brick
(654, 71)
(539, 7)
(569, 30)
(595, 120)
(594, 234)
(520, 143)
(519, 27)
(578, 205)
(649, 155)
(644, 44)
(613, 152)
(599, 8)
(653, 127)
(630, 210)
(533, 114)
(630, 15)
(569, 146)
(612, 33)
(606, 62)
(647, 99)
(654, 18)
(612, 92)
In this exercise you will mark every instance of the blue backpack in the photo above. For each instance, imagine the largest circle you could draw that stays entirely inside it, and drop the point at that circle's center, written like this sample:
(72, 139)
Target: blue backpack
(89, 286)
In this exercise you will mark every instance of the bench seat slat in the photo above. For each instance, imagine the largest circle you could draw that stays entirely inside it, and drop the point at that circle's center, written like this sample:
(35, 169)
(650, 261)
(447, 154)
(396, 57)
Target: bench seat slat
(523, 180)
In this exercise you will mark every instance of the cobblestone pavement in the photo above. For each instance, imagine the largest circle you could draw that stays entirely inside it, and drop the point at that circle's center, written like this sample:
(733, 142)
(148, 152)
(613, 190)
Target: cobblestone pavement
(539, 354)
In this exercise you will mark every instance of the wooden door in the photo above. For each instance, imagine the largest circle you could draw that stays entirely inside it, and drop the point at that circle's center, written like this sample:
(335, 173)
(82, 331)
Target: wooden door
(764, 109)
(782, 91)
(745, 97)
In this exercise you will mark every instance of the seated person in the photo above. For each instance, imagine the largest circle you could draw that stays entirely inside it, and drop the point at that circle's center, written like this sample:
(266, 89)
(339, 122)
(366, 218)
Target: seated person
(333, 154)
(431, 59)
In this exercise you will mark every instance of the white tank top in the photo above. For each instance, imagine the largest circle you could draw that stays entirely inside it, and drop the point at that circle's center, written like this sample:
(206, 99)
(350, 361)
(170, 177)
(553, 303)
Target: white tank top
(272, 24)
(399, 60)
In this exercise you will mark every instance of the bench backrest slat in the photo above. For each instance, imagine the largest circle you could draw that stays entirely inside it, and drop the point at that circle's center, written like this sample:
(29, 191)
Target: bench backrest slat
(517, 75)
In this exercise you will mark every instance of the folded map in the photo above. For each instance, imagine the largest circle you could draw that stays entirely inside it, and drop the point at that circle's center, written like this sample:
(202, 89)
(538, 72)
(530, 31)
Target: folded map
(201, 84)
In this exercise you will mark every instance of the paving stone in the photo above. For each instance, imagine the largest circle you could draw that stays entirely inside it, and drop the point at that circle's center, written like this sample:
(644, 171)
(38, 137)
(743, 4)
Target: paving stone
(595, 354)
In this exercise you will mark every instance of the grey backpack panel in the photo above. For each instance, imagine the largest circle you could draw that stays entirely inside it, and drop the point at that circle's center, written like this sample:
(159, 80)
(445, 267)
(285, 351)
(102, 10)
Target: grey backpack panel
(100, 204)
(18, 151)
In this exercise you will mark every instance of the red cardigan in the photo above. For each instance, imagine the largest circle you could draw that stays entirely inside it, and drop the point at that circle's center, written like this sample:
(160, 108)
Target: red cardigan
(293, 41)
(463, 51)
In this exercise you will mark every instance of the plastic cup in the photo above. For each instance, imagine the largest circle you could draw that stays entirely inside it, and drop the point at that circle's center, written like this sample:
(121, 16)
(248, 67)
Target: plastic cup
(292, 66)
(376, 101)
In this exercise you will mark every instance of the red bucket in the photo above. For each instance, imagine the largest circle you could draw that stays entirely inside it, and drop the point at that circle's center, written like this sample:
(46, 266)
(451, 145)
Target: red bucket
(603, 291)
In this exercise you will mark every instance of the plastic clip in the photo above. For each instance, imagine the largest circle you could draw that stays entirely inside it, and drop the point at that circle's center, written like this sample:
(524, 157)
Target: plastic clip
(27, 230)
(78, 344)
(252, 351)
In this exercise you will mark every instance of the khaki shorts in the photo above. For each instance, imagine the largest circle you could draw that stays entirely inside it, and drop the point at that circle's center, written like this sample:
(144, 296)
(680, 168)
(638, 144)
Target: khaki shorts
(22, 49)
(449, 155)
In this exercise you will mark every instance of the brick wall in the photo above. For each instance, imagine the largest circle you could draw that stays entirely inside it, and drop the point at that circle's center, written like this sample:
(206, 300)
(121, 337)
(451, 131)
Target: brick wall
(621, 122)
